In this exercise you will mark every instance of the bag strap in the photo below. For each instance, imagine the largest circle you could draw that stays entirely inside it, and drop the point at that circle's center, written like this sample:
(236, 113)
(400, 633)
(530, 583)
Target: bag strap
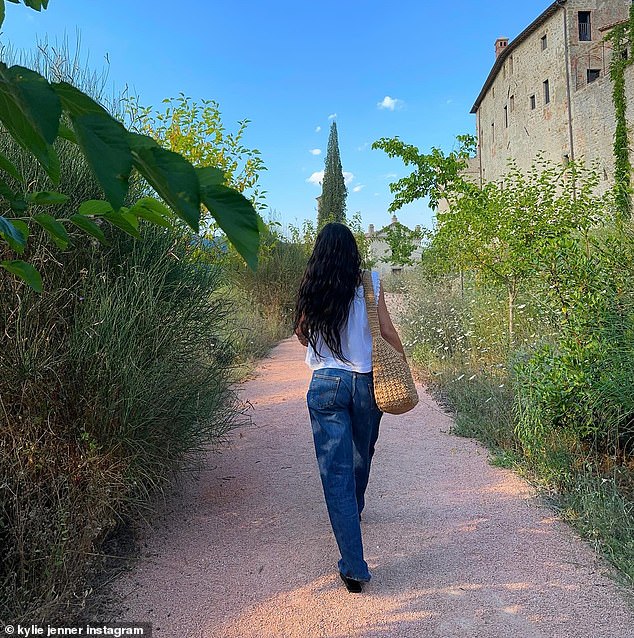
(370, 304)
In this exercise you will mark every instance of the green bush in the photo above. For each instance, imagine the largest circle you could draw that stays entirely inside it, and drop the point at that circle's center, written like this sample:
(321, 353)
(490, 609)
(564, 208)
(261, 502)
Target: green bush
(579, 381)
(559, 405)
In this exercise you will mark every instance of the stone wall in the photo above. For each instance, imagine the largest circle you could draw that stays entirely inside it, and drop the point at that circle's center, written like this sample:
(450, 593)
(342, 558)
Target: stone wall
(530, 131)
(547, 128)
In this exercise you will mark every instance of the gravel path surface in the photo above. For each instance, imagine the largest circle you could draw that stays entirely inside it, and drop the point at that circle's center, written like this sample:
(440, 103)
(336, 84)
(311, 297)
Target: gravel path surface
(457, 548)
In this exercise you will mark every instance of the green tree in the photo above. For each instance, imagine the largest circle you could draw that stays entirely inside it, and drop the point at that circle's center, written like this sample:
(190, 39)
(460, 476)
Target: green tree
(196, 131)
(436, 175)
(509, 232)
(332, 205)
(402, 243)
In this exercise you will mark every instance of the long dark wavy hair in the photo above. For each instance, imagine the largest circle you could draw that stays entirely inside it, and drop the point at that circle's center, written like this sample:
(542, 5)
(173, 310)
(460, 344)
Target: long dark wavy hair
(328, 287)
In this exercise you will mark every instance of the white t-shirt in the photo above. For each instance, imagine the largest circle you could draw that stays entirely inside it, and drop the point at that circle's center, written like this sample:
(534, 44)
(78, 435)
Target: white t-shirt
(356, 341)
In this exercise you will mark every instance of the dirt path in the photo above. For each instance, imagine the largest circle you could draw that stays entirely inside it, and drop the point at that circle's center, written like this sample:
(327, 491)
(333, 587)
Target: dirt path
(457, 548)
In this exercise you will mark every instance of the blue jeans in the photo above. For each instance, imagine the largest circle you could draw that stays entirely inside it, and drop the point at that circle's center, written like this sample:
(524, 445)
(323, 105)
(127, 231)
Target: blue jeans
(345, 423)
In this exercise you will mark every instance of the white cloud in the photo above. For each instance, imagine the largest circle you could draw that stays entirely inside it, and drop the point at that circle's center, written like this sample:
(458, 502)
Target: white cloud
(332, 116)
(317, 129)
(390, 176)
(363, 146)
(316, 178)
(358, 188)
(390, 103)
(315, 151)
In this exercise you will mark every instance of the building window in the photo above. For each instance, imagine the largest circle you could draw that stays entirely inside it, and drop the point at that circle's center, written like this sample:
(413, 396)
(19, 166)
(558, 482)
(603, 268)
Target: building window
(624, 53)
(510, 65)
(532, 99)
(585, 28)
(493, 132)
(512, 103)
(593, 74)
(506, 116)
(544, 41)
(493, 91)
(546, 92)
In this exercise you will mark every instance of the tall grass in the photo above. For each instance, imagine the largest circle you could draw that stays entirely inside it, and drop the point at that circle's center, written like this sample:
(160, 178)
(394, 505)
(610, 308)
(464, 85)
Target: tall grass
(264, 300)
(113, 380)
(109, 384)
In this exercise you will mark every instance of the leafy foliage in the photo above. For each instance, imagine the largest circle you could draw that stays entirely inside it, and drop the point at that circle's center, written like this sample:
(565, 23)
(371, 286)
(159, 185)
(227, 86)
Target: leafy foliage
(196, 131)
(114, 378)
(227, 170)
(557, 396)
(435, 175)
(36, 112)
(621, 35)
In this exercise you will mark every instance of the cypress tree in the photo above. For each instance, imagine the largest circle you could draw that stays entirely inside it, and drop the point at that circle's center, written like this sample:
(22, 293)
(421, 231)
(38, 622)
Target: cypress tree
(332, 205)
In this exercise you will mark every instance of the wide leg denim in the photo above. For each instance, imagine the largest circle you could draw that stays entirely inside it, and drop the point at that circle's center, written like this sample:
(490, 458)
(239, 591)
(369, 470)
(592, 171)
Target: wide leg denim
(345, 423)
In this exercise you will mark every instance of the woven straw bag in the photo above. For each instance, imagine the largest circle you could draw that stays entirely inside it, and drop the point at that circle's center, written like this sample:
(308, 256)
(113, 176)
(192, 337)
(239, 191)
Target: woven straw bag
(394, 389)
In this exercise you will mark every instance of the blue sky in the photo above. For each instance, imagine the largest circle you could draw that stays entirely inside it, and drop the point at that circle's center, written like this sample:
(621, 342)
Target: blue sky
(290, 67)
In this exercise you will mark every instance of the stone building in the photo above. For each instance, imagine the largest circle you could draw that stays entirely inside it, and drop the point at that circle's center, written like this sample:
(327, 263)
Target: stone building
(550, 91)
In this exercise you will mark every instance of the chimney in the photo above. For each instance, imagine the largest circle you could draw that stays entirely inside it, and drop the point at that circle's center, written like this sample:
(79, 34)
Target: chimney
(500, 45)
(371, 229)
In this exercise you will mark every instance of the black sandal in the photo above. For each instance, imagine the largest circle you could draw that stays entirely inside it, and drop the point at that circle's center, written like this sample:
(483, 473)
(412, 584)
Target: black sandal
(352, 585)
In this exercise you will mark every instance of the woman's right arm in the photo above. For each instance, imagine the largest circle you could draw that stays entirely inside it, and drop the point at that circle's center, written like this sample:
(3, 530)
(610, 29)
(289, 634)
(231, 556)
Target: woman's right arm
(388, 331)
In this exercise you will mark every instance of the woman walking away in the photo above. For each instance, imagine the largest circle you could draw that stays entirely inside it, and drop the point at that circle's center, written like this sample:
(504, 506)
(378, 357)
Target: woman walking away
(331, 320)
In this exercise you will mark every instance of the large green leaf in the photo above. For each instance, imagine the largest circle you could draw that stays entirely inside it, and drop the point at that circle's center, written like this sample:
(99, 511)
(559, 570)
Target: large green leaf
(105, 145)
(12, 234)
(9, 167)
(237, 218)
(30, 110)
(95, 207)
(103, 139)
(171, 176)
(6, 191)
(23, 227)
(89, 226)
(126, 221)
(34, 4)
(25, 271)
(46, 198)
(210, 176)
(2, 12)
(55, 229)
(153, 211)
(75, 101)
